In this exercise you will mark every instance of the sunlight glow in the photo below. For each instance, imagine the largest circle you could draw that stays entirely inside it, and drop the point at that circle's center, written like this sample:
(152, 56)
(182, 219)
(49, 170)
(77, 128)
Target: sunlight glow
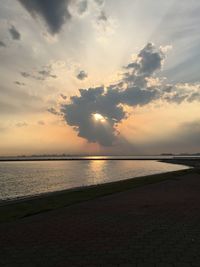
(98, 117)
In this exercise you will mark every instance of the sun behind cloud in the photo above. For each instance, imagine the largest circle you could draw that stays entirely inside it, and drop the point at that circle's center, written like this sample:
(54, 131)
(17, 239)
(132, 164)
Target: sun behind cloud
(98, 117)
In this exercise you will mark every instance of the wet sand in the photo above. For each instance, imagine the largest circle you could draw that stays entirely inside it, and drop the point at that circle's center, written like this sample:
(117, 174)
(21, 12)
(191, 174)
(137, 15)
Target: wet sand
(157, 224)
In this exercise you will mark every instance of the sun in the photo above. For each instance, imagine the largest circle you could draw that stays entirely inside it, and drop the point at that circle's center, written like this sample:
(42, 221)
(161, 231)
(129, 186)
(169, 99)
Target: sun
(98, 117)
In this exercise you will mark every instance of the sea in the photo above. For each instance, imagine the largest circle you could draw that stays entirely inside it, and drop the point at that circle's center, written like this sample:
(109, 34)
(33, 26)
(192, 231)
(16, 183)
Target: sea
(35, 176)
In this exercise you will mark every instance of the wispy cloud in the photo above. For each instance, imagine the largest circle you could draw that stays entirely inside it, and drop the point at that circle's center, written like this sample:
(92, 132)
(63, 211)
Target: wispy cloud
(19, 83)
(21, 124)
(2, 44)
(14, 33)
(42, 123)
(41, 74)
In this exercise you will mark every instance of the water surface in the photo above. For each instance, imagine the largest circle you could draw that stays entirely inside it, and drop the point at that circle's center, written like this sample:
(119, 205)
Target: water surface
(28, 178)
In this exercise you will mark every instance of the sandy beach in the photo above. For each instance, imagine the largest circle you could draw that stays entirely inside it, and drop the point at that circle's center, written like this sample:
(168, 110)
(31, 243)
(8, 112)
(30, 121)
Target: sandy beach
(156, 224)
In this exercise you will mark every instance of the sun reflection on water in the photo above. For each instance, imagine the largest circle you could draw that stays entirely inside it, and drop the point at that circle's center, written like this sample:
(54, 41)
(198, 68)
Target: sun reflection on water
(98, 167)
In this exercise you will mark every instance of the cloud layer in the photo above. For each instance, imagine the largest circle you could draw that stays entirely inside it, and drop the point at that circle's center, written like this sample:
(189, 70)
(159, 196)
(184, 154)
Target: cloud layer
(138, 87)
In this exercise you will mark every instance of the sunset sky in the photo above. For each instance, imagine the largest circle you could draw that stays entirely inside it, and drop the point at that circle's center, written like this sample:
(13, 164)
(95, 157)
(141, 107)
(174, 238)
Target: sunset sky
(99, 76)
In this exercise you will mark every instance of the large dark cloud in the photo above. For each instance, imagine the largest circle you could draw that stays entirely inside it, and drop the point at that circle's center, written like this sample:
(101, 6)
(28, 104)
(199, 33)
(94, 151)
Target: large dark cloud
(54, 12)
(79, 113)
(135, 89)
(14, 33)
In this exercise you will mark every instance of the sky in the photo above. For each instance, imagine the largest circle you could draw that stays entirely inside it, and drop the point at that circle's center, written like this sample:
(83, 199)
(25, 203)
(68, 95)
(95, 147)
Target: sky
(99, 77)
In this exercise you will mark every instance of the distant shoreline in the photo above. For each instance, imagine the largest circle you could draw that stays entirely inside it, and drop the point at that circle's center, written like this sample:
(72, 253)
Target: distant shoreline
(60, 158)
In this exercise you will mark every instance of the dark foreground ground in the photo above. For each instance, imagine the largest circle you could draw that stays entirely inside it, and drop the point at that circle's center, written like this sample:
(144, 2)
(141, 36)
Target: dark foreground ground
(153, 225)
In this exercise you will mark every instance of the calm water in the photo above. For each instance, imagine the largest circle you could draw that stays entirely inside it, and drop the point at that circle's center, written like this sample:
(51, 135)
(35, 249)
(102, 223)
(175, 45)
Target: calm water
(22, 179)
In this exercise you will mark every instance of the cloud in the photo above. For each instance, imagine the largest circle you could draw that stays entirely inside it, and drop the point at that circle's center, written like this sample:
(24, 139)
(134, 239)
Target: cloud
(40, 75)
(53, 111)
(41, 123)
(194, 97)
(63, 96)
(14, 33)
(82, 75)
(148, 61)
(21, 124)
(104, 24)
(99, 2)
(2, 44)
(83, 5)
(109, 103)
(19, 83)
(181, 92)
(54, 13)
(79, 114)
(78, 7)
(45, 74)
(134, 89)
(25, 74)
(102, 17)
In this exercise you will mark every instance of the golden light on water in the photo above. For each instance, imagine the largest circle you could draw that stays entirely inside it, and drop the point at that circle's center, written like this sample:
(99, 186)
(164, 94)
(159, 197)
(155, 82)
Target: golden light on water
(98, 117)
